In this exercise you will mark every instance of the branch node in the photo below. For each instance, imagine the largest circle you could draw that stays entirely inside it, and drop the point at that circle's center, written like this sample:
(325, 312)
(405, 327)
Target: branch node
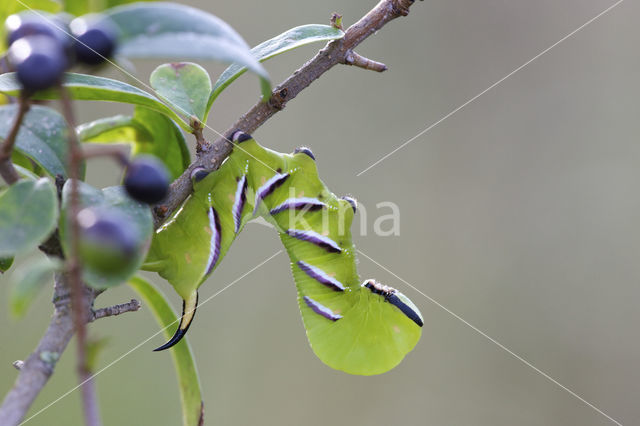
(336, 21)
(401, 7)
(357, 60)
(202, 145)
(278, 99)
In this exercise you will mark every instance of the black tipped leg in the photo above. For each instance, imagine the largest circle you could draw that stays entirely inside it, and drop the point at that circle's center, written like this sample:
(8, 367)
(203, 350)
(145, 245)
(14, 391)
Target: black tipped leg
(174, 340)
(188, 313)
(198, 174)
(239, 136)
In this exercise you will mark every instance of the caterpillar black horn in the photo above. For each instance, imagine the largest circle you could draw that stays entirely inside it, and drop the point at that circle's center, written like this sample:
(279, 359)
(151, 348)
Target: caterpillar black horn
(188, 313)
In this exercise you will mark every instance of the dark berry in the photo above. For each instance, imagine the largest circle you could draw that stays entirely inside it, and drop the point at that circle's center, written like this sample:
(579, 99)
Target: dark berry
(39, 61)
(107, 240)
(28, 24)
(18, 27)
(96, 39)
(147, 180)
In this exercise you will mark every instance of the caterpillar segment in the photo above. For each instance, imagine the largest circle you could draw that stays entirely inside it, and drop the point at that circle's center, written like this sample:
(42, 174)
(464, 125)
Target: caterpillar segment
(359, 328)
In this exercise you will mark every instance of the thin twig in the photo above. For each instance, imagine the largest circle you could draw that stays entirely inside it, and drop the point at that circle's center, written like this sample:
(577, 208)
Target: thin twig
(80, 307)
(114, 310)
(117, 153)
(360, 61)
(333, 54)
(7, 171)
(201, 143)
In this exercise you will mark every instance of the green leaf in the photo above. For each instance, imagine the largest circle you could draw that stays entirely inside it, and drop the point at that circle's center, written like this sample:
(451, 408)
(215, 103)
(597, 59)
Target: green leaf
(147, 132)
(169, 30)
(25, 173)
(189, 383)
(29, 282)
(289, 40)
(5, 264)
(43, 136)
(80, 7)
(28, 214)
(91, 88)
(77, 7)
(183, 85)
(111, 198)
(9, 7)
(26, 164)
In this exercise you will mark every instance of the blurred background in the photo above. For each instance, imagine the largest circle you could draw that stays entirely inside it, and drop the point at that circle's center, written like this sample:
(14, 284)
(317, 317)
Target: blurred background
(519, 213)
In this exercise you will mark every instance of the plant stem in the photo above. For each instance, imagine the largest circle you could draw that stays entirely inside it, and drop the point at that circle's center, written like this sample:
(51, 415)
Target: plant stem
(78, 301)
(7, 171)
(116, 153)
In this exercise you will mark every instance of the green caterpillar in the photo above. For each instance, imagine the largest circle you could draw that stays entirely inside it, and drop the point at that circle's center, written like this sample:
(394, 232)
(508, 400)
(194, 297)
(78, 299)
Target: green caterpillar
(357, 328)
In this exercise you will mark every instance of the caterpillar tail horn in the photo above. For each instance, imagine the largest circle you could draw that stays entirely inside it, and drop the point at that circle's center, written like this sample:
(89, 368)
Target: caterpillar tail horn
(188, 313)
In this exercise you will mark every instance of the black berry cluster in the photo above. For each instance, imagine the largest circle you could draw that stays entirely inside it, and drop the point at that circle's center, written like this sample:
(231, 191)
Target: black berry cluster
(42, 48)
(146, 180)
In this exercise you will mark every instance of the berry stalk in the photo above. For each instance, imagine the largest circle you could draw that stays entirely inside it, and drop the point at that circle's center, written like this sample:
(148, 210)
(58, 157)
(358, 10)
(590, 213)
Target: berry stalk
(78, 300)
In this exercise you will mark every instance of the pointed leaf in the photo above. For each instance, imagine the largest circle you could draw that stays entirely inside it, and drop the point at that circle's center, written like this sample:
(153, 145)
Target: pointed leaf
(42, 136)
(168, 30)
(147, 132)
(112, 198)
(91, 88)
(28, 214)
(183, 85)
(29, 281)
(289, 40)
(5, 264)
(189, 383)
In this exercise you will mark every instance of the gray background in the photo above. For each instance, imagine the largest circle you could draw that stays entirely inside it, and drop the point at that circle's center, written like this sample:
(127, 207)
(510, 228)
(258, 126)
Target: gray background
(519, 213)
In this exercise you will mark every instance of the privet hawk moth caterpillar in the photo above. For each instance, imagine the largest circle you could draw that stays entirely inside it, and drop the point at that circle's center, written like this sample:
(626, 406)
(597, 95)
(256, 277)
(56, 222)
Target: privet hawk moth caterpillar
(358, 328)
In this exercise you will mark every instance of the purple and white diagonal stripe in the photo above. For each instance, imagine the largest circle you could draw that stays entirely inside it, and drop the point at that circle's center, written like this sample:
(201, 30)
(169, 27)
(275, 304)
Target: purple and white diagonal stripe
(321, 309)
(214, 248)
(303, 203)
(315, 238)
(240, 200)
(321, 276)
(268, 187)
